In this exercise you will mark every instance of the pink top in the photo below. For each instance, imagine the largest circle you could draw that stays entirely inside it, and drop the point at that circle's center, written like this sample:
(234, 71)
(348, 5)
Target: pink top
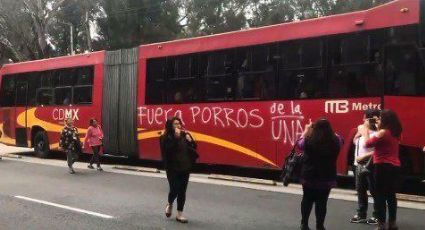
(386, 149)
(94, 136)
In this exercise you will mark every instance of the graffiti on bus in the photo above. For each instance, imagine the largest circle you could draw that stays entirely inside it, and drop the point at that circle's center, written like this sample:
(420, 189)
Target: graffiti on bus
(286, 121)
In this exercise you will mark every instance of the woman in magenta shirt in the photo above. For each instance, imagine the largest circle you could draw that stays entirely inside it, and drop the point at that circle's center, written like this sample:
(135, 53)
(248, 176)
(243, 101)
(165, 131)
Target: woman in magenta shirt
(387, 165)
(94, 137)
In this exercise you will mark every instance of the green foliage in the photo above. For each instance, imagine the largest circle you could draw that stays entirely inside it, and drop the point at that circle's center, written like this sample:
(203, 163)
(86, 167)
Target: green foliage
(34, 29)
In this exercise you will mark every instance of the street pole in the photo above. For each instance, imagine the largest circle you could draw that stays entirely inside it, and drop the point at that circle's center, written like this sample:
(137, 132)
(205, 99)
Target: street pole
(71, 27)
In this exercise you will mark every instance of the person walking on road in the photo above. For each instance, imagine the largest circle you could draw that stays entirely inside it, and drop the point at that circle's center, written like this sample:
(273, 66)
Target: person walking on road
(93, 139)
(70, 143)
(318, 174)
(386, 165)
(364, 170)
(175, 144)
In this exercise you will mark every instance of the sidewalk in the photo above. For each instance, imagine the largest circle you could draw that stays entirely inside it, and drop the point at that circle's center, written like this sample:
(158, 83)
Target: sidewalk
(14, 153)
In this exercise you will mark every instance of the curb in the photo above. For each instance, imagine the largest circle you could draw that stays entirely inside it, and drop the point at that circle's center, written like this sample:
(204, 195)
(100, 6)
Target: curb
(13, 156)
(242, 179)
(137, 169)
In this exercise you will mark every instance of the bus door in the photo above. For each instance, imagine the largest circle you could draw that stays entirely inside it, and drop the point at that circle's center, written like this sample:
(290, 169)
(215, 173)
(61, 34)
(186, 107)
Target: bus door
(21, 103)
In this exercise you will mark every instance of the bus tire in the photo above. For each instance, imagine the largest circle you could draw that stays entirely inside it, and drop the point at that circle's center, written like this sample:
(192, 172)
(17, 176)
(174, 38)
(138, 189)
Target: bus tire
(41, 144)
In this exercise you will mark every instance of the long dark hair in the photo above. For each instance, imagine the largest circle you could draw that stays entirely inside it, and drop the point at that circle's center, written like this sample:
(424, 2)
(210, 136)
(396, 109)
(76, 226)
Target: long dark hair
(390, 121)
(322, 139)
(322, 132)
(169, 129)
(92, 120)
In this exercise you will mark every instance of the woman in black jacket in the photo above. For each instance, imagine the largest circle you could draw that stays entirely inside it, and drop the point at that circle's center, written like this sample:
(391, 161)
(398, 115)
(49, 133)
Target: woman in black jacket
(318, 175)
(175, 150)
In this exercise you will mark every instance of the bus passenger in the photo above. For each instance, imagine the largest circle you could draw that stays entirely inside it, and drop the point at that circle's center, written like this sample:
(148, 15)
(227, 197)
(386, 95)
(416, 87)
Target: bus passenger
(70, 143)
(364, 171)
(178, 97)
(175, 144)
(93, 139)
(386, 165)
(318, 175)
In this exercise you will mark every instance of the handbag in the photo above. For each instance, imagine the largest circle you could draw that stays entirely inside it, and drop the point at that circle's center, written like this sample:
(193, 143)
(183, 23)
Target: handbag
(291, 170)
(191, 148)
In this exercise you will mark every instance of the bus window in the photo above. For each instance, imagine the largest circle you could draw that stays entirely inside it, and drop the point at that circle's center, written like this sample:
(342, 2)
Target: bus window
(7, 94)
(21, 90)
(302, 84)
(44, 96)
(183, 67)
(155, 84)
(404, 72)
(182, 91)
(63, 96)
(82, 95)
(84, 75)
(354, 49)
(222, 75)
(404, 34)
(183, 87)
(256, 75)
(260, 58)
(46, 79)
(291, 54)
(356, 81)
(64, 77)
(34, 83)
(311, 53)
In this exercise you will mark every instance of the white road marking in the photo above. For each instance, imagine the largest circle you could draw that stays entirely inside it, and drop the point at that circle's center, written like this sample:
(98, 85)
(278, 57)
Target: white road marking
(65, 207)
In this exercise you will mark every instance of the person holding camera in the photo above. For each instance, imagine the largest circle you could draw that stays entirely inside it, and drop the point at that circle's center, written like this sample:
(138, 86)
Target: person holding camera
(386, 165)
(318, 174)
(70, 143)
(93, 139)
(177, 147)
(364, 169)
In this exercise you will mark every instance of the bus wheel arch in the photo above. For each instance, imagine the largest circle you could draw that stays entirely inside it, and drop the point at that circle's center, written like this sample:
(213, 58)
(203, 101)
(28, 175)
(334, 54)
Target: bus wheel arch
(40, 142)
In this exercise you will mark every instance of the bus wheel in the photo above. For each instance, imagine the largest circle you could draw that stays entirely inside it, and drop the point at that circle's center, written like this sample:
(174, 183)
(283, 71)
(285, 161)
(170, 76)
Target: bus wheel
(41, 145)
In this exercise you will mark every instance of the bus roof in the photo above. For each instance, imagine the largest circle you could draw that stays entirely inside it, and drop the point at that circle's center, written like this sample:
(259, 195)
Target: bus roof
(53, 63)
(395, 13)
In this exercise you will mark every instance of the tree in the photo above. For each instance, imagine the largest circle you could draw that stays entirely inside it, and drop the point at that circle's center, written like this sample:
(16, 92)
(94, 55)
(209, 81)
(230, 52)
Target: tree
(129, 23)
(214, 16)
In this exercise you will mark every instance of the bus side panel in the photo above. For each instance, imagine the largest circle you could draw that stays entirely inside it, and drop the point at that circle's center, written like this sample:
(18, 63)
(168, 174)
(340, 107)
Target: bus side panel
(410, 111)
(251, 134)
(7, 126)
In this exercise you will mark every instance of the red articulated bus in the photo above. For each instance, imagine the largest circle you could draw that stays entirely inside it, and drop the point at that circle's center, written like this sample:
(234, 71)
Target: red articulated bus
(245, 96)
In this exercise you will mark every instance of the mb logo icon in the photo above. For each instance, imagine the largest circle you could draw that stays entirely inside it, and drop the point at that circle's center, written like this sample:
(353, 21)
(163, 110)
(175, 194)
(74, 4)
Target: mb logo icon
(339, 106)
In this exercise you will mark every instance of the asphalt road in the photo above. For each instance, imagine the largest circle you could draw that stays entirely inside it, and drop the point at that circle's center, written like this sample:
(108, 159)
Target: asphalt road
(119, 201)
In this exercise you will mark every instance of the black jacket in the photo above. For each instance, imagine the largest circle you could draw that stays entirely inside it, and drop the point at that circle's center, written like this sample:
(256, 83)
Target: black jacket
(319, 161)
(175, 153)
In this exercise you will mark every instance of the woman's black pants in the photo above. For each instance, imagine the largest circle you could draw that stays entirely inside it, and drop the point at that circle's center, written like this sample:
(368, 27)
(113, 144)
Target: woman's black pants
(319, 197)
(178, 184)
(95, 157)
(386, 186)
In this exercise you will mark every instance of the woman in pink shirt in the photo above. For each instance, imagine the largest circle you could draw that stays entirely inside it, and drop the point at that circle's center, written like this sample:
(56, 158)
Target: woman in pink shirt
(94, 137)
(387, 165)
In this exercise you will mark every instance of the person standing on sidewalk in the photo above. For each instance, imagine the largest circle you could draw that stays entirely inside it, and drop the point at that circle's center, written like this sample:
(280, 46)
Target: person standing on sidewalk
(70, 143)
(318, 174)
(175, 144)
(364, 170)
(387, 166)
(93, 139)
